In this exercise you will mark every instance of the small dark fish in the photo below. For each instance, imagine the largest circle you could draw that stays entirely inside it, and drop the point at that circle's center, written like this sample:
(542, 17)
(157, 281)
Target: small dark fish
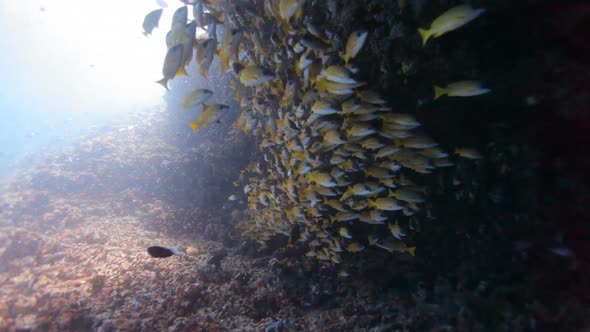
(161, 252)
(562, 251)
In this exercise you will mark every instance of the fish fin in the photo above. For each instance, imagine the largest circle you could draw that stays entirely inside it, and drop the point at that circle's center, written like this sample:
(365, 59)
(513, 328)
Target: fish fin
(195, 126)
(438, 91)
(181, 72)
(411, 251)
(145, 34)
(164, 83)
(425, 35)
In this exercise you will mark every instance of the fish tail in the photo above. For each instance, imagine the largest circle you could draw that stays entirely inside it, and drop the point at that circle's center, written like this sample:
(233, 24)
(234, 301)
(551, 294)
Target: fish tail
(195, 126)
(181, 72)
(438, 91)
(411, 251)
(164, 83)
(298, 13)
(176, 251)
(425, 35)
(224, 61)
(345, 57)
(202, 72)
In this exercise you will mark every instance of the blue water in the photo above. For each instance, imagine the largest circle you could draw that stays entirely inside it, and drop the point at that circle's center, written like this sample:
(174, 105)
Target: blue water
(66, 74)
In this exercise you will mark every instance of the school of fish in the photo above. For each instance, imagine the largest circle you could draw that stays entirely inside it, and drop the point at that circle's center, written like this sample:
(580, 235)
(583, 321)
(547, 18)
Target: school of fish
(337, 164)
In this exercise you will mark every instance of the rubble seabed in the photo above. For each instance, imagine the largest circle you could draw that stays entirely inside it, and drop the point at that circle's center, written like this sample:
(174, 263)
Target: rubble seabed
(77, 260)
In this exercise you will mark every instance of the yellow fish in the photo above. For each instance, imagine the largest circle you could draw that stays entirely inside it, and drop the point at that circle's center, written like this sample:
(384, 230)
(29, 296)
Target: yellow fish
(336, 88)
(229, 47)
(344, 232)
(150, 21)
(179, 18)
(254, 75)
(323, 179)
(354, 247)
(377, 172)
(393, 245)
(196, 97)
(354, 44)
(205, 54)
(407, 195)
(211, 113)
(343, 216)
(370, 97)
(338, 74)
(468, 153)
(172, 63)
(396, 230)
(373, 217)
(188, 40)
(418, 142)
(335, 204)
(333, 137)
(450, 20)
(343, 274)
(288, 8)
(350, 105)
(372, 239)
(360, 130)
(385, 204)
(325, 106)
(371, 143)
(460, 89)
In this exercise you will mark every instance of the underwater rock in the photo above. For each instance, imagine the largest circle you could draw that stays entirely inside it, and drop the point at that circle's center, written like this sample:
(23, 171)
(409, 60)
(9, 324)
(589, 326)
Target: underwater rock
(208, 273)
(213, 232)
(25, 305)
(264, 303)
(216, 257)
(26, 322)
